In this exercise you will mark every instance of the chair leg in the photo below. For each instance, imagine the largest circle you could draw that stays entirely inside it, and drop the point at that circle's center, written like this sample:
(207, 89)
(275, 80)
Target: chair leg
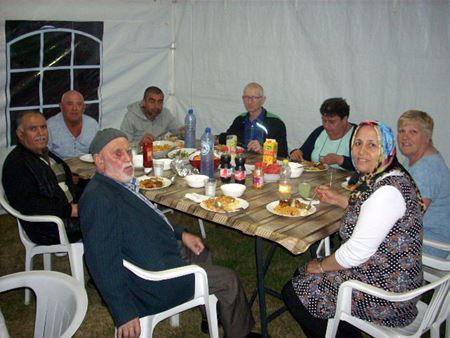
(211, 313)
(147, 327)
(175, 320)
(447, 327)
(47, 257)
(76, 252)
(202, 228)
(332, 327)
(28, 267)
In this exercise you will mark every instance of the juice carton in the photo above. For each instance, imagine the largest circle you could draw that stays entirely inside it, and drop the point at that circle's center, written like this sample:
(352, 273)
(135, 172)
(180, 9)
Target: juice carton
(270, 149)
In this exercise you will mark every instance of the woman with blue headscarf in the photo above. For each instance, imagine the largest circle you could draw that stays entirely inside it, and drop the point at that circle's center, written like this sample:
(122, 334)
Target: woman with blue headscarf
(381, 233)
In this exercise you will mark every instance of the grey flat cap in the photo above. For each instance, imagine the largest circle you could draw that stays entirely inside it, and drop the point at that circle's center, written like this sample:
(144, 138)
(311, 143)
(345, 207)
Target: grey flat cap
(103, 137)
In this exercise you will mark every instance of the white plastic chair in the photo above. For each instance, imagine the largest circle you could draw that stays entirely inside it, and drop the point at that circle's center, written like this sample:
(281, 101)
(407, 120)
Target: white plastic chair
(429, 317)
(74, 250)
(61, 302)
(201, 297)
(435, 268)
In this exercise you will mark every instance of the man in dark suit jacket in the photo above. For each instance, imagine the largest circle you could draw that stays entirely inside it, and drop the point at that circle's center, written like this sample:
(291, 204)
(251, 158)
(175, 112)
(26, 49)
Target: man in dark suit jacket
(37, 182)
(119, 223)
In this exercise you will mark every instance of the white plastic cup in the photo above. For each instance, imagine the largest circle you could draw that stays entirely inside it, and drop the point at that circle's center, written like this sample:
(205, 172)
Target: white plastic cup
(210, 187)
(158, 169)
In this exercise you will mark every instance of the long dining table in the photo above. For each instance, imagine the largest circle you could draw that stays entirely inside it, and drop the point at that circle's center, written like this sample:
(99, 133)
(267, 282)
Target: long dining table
(295, 234)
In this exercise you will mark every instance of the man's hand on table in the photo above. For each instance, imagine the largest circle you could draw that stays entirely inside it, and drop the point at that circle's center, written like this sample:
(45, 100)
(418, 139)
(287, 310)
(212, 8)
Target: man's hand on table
(147, 138)
(182, 132)
(255, 146)
(131, 329)
(194, 243)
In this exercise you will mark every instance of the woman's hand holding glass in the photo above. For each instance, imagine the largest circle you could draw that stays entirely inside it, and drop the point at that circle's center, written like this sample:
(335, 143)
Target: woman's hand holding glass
(331, 196)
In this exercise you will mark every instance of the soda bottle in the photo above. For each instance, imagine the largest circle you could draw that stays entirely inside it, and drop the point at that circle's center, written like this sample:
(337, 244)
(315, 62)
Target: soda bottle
(207, 154)
(225, 168)
(239, 169)
(147, 152)
(189, 129)
(284, 184)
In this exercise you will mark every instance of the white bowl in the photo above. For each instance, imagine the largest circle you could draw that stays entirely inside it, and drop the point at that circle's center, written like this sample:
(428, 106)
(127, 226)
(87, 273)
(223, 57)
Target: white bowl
(164, 161)
(196, 181)
(138, 161)
(296, 169)
(233, 189)
(270, 178)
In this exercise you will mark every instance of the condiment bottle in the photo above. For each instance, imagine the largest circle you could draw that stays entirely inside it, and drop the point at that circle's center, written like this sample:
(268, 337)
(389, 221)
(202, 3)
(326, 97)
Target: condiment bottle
(284, 184)
(258, 176)
(226, 170)
(239, 169)
(147, 152)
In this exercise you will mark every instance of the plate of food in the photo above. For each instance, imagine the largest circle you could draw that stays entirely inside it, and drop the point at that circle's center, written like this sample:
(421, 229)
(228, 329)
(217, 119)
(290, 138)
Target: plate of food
(224, 204)
(181, 154)
(87, 158)
(153, 183)
(293, 207)
(162, 148)
(311, 166)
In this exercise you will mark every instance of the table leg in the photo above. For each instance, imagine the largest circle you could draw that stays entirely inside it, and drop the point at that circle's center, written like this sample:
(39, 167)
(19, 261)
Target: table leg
(260, 286)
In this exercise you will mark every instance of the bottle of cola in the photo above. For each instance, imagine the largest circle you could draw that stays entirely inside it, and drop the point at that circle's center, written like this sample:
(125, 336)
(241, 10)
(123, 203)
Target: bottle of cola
(239, 170)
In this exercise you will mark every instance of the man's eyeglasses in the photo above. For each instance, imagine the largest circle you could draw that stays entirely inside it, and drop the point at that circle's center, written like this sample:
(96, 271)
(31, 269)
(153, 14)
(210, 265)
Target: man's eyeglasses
(251, 98)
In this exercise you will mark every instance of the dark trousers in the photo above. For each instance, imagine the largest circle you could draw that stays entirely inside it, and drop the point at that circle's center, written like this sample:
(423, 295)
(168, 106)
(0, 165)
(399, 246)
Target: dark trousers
(313, 327)
(234, 310)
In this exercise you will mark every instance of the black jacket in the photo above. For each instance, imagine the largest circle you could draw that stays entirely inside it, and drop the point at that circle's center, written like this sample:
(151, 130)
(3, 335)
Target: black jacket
(274, 125)
(32, 188)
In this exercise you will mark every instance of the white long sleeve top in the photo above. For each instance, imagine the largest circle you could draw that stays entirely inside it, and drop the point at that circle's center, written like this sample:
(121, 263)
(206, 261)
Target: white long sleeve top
(377, 216)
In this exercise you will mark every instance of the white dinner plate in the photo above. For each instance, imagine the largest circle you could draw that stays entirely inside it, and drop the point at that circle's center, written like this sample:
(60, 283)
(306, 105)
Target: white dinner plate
(303, 212)
(166, 182)
(87, 158)
(243, 204)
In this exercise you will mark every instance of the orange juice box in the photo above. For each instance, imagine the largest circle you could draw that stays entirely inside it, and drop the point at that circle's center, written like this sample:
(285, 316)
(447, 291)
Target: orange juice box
(270, 149)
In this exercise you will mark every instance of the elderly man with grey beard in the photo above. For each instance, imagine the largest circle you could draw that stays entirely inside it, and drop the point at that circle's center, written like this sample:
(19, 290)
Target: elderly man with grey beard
(118, 222)
(37, 182)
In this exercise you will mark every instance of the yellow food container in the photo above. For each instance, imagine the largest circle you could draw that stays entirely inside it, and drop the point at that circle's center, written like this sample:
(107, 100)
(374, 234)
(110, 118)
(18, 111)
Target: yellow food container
(270, 149)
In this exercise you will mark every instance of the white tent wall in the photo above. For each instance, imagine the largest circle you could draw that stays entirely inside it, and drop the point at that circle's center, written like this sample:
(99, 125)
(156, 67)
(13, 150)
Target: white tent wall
(384, 57)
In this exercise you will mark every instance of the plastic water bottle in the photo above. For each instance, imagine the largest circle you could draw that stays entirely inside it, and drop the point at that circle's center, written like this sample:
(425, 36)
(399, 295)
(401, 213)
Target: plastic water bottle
(207, 154)
(189, 127)
(284, 184)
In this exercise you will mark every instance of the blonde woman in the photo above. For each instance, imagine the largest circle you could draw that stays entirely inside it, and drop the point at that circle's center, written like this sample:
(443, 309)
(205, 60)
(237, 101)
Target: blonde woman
(431, 173)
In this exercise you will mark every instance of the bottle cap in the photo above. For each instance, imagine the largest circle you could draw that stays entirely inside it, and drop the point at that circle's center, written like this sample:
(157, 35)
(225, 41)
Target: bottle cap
(207, 130)
(190, 111)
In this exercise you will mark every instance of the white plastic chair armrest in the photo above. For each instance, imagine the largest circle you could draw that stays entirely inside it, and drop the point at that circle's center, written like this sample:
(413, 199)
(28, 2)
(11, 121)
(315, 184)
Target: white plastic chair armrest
(350, 285)
(53, 219)
(437, 263)
(165, 274)
(437, 244)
